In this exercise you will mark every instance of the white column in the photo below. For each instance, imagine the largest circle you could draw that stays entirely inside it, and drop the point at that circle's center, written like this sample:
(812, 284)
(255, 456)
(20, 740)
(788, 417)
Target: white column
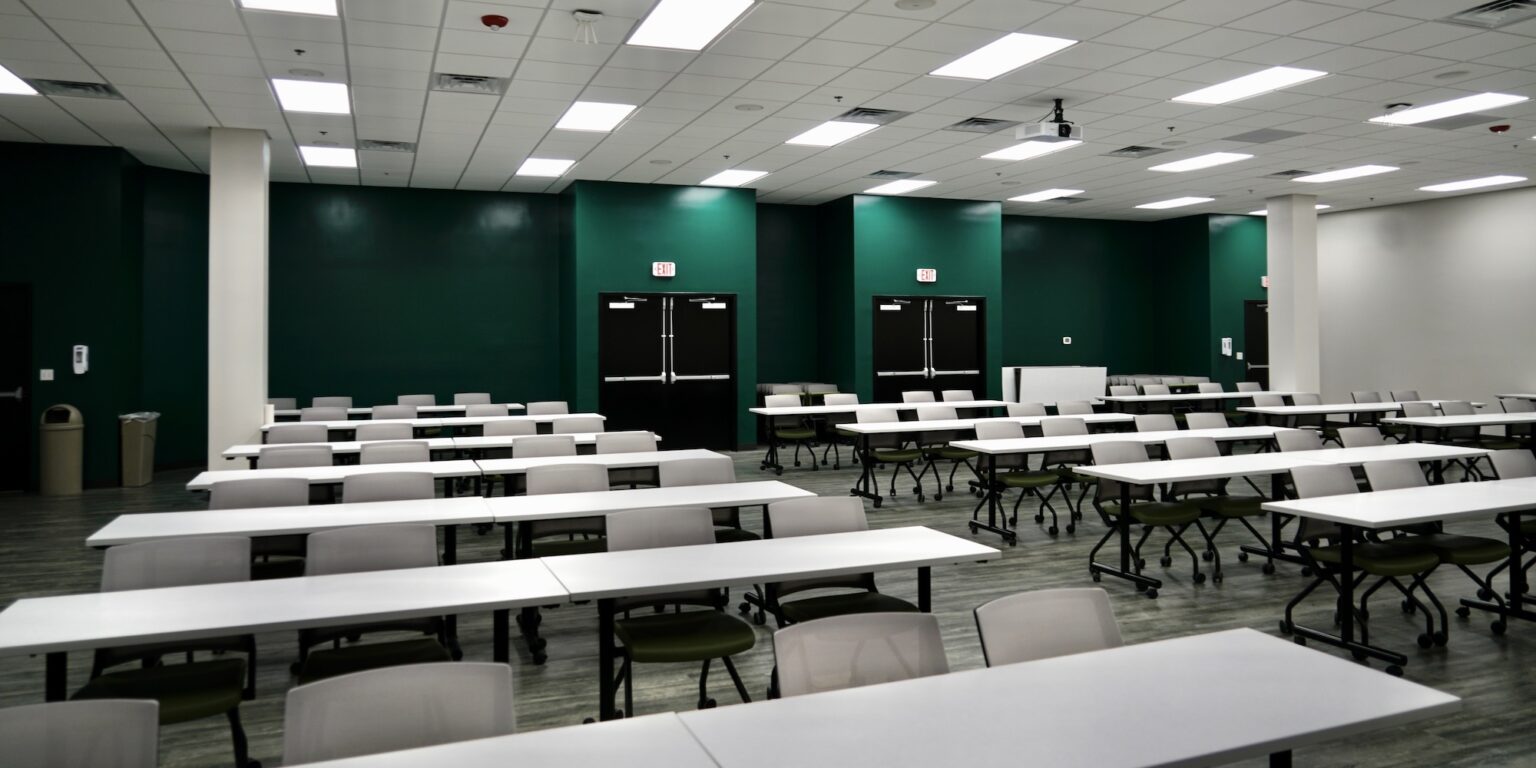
(1294, 354)
(237, 288)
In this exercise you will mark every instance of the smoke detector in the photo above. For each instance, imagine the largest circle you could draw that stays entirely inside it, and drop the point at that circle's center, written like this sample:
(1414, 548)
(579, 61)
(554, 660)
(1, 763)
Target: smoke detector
(495, 21)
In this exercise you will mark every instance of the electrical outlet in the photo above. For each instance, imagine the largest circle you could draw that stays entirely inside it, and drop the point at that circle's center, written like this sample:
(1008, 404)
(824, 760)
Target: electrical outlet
(1066, 340)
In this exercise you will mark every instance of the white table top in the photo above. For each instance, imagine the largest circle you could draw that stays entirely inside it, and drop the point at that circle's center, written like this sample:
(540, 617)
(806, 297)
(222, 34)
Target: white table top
(609, 460)
(1473, 420)
(513, 509)
(1157, 472)
(543, 418)
(1196, 396)
(424, 422)
(652, 741)
(249, 450)
(1409, 506)
(1519, 396)
(962, 425)
(1256, 695)
(96, 620)
(507, 441)
(277, 521)
(337, 473)
(1078, 442)
(820, 410)
(368, 410)
(1323, 410)
(651, 571)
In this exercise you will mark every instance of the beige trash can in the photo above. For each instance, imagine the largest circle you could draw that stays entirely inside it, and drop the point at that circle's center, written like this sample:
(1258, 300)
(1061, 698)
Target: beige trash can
(62, 446)
(138, 447)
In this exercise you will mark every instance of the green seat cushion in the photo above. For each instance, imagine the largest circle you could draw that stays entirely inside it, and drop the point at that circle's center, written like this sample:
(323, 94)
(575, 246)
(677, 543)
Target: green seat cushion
(554, 547)
(1040, 479)
(1160, 512)
(898, 456)
(795, 434)
(953, 454)
(364, 656)
(1498, 443)
(1231, 506)
(1383, 559)
(1466, 550)
(812, 608)
(846, 433)
(185, 691)
(687, 636)
(728, 534)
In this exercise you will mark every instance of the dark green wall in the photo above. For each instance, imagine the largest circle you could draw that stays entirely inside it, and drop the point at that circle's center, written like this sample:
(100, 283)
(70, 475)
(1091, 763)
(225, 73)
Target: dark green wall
(1180, 251)
(617, 230)
(1083, 278)
(1238, 248)
(835, 309)
(787, 306)
(376, 292)
(175, 318)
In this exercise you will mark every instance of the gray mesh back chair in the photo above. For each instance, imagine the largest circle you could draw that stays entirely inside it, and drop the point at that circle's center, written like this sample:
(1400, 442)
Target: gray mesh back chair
(323, 413)
(259, 492)
(567, 478)
(1206, 420)
(577, 425)
(106, 733)
(547, 407)
(1174, 517)
(195, 689)
(1405, 395)
(471, 398)
(856, 650)
(1298, 440)
(700, 635)
(1519, 432)
(892, 448)
(283, 456)
(783, 430)
(1214, 501)
(1073, 407)
(708, 471)
(1062, 462)
(1366, 396)
(388, 486)
(508, 427)
(1122, 390)
(1018, 410)
(1511, 463)
(394, 452)
(366, 432)
(416, 400)
(1046, 623)
(1360, 437)
(1013, 472)
(936, 448)
(544, 445)
(569, 536)
(1249, 386)
(331, 402)
(393, 412)
(811, 517)
(385, 710)
(283, 403)
(629, 442)
(834, 437)
(1156, 422)
(477, 410)
(1307, 398)
(1210, 388)
(922, 396)
(956, 395)
(1268, 401)
(361, 549)
(296, 433)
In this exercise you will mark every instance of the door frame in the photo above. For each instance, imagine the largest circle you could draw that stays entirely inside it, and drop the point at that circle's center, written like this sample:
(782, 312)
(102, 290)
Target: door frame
(981, 312)
(1247, 372)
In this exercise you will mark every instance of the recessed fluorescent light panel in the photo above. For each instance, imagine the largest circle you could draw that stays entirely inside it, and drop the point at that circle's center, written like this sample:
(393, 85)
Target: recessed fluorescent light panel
(899, 187)
(687, 25)
(1264, 81)
(1450, 108)
(1265, 212)
(1177, 202)
(11, 84)
(329, 157)
(831, 133)
(1203, 161)
(1345, 173)
(733, 178)
(311, 7)
(313, 96)
(1044, 195)
(594, 116)
(1028, 149)
(1002, 56)
(534, 166)
(1457, 186)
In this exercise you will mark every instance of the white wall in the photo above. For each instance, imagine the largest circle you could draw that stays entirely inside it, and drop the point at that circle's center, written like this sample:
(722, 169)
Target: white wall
(1438, 296)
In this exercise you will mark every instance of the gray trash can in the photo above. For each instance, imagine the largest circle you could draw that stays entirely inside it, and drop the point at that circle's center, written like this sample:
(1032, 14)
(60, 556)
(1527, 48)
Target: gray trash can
(62, 441)
(138, 447)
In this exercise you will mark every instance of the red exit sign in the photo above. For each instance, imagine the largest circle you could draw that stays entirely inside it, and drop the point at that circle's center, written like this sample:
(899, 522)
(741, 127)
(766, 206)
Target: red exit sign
(663, 269)
(927, 275)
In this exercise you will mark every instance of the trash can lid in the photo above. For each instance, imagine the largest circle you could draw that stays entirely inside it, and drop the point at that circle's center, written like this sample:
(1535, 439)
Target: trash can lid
(62, 414)
(139, 416)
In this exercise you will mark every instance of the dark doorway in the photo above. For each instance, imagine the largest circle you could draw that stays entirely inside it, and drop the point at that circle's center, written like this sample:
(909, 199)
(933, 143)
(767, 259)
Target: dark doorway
(1256, 341)
(15, 392)
(928, 343)
(667, 363)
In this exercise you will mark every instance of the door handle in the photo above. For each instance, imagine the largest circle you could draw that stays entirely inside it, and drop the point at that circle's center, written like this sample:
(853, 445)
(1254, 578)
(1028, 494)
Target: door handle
(1251, 366)
(16, 395)
(702, 377)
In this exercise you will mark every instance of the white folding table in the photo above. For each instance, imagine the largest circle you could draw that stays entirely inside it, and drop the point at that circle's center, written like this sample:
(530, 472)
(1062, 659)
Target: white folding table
(446, 471)
(57, 625)
(365, 412)
(510, 468)
(467, 447)
(1479, 420)
(771, 458)
(342, 451)
(606, 576)
(1257, 695)
(339, 430)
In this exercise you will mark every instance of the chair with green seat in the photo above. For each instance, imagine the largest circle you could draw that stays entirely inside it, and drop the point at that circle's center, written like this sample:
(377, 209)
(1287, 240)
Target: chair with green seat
(547, 408)
(936, 447)
(857, 650)
(528, 445)
(962, 396)
(472, 398)
(1218, 504)
(294, 455)
(1046, 623)
(1321, 549)
(1366, 396)
(856, 593)
(256, 492)
(296, 433)
(484, 410)
(394, 452)
(892, 448)
(1520, 433)
(628, 442)
(1208, 388)
(1062, 462)
(105, 733)
(1073, 408)
(918, 396)
(366, 432)
(194, 689)
(342, 402)
(1026, 410)
(1014, 472)
(388, 486)
(1174, 517)
(712, 470)
(1320, 422)
(323, 413)
(1156, 422)
(361, 549)
(393, 412)
(833, 436)
(1509, 464)
(680, 636)
(1123, 390)
(1471, 436)
(567, 536)
(577, 425)
(1206, 420)
(783, 430)
(1157, 406)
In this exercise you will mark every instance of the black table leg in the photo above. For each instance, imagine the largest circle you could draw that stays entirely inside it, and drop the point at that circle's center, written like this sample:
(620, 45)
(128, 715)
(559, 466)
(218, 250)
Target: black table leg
(56, 676)
(1346, 608)
(924, 589)
(997, 522)
(1123, 524)
(1280, 759)
(606, 652)
(1276, 550)
(1514, 607)
(450, 544)
(867, 486)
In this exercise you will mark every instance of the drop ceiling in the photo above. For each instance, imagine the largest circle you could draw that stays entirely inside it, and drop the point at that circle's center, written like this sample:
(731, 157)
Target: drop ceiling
(185, 65)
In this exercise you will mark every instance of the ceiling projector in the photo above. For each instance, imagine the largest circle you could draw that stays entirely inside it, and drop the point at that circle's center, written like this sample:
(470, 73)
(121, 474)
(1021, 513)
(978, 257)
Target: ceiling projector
(1057, 128)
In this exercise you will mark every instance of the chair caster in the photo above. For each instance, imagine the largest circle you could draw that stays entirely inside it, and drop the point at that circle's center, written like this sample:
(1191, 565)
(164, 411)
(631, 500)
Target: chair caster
(539, 657)
(949, 488)
(1242, 557)
(1483, 594)
(1394, 670)
(1359, 655)
(1207, 555)
(877, 506)
(1071, 528)
(937, 496)
(1096, 576)
(1199, 578)
(706, 703)
(1052, 530)
(1216, 578)
(797, 462)
(1441, 638)
(744, 608)
(1268, 569)
(1409, 607)
(1285, 628)
(1152, 593)
(1165, 561)
(1140, 563)
(778, 470)
(1039, 519)
(1498, 627)
(1463, 612)
(1425, 641)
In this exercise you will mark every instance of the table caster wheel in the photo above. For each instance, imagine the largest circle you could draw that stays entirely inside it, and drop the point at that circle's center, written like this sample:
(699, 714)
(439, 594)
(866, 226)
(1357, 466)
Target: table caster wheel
(877, 503)
(1207, 555)
(1165, 561)
(1425, 641)
(1409, 607)
(1483, 594)
(1268, 569)
(706, 703)
(1242, 557)
(1285, 627)
(1299, 640)
(1359, 655)
(778, 470)
(1498, 627)
(539, 657)
(1216, 579)
(1199, 578)
(1152, 594)
(1394, 670)
(1463, 612)
(759, 618)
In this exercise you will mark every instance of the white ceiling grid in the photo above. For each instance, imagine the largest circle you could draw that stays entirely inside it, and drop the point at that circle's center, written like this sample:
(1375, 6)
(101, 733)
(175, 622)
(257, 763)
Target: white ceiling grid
(186, 65)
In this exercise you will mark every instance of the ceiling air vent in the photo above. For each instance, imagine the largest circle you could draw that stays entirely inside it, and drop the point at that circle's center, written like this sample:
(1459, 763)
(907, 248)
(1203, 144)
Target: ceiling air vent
(1285, 174)
(981, 125)
(74, 88)
(876, 116)
(379, 145)
(1500, 13)
(1134, 151)
(891, 175)
(1263, 136)
(477, 84)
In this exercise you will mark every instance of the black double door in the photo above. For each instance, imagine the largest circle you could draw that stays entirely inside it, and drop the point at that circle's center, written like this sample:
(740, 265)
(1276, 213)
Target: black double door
(930, 343)
(667, 363)
(1256, 341)
(15, 369)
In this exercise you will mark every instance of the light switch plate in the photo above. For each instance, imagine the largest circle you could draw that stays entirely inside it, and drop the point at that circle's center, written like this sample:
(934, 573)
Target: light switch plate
(1066, 339)
(1239, 355)
(45, 374)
